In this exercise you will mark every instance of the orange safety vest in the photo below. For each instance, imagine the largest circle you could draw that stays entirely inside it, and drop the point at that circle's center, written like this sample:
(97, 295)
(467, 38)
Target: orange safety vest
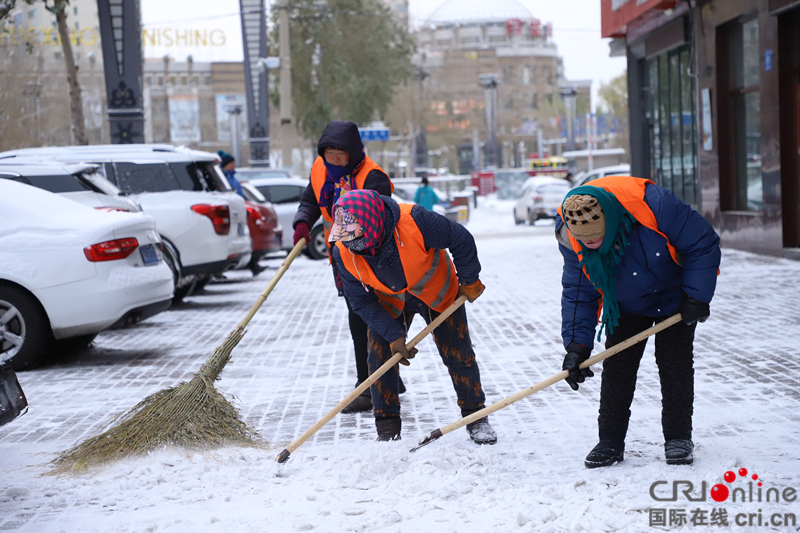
(430, 274)
(629, 191)
(318, 175)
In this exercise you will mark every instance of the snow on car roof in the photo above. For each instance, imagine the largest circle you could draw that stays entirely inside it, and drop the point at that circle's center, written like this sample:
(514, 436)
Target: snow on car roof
(37, 219)
(111, 152)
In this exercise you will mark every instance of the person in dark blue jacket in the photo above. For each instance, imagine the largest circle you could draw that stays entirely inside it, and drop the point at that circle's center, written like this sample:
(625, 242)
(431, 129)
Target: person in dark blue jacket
(636, 252)
(393, 264)
(228, 164)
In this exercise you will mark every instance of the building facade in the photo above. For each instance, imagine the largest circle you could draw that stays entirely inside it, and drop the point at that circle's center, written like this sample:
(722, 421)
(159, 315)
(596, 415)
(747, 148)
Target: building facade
(713, 88)
(466, 45)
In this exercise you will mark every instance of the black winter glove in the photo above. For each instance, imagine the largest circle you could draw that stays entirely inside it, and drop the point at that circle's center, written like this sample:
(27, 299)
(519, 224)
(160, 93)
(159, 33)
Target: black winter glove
(576, 354)
(692, 310)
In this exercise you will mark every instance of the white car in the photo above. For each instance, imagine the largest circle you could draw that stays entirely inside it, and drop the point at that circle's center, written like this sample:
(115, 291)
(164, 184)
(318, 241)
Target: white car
(202, 222)
(68, 271)
(540, 197)
(82, 183)
(601, 172)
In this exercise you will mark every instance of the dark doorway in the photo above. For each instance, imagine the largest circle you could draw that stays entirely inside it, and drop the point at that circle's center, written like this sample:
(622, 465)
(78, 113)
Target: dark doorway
(789, 64)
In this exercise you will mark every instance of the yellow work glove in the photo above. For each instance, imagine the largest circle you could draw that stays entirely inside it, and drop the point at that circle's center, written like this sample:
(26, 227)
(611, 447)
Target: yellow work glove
(471, 291)
(399, 346)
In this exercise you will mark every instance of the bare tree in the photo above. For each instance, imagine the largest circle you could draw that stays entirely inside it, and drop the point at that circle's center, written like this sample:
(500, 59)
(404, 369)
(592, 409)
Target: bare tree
(33, 111)
(6, 6)
(59, 9)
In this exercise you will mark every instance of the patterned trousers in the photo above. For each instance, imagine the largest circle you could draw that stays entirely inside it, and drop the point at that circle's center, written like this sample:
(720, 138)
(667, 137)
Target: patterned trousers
(455, 348)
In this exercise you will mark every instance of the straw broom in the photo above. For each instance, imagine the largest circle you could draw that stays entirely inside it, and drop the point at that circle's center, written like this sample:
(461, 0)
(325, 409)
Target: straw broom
(193, 415)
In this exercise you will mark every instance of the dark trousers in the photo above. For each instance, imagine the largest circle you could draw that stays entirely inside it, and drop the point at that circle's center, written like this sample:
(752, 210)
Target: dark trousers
(675, 369)
(358, 331)
(455, 348)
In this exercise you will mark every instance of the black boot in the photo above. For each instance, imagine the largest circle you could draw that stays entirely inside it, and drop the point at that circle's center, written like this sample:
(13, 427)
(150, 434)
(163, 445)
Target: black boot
(679, 451)
(606, 453)
(480, 431)
(388, 428)
(401, 388)
(361, 403)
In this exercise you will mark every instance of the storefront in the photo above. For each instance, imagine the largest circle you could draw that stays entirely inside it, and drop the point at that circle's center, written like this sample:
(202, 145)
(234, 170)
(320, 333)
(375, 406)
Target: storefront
(656, 38)
(714, 87)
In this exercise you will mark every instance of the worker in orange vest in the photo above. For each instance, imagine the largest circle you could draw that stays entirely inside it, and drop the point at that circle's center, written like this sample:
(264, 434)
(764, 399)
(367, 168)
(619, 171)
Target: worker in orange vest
(393, 262)
(635, 254)
(342, 166)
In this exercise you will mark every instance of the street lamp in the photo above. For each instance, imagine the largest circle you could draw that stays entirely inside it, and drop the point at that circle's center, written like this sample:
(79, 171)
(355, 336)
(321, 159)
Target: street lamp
(421, 141)
(568, 93)
(489, 82)
(234, 113)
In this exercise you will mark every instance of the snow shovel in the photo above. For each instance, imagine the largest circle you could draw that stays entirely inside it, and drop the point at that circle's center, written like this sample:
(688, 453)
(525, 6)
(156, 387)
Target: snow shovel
(194, 414)
(486, 411)
(284, 455)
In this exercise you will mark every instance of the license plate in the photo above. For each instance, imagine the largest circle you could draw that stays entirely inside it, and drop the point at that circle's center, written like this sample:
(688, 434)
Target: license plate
(150, 254)
(241, 229)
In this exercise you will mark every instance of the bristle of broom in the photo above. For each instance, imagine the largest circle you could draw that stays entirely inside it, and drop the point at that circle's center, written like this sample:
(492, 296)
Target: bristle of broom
(192, 415)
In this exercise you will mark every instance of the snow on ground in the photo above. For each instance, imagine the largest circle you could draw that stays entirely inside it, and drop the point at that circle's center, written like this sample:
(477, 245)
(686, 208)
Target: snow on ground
(295, 364)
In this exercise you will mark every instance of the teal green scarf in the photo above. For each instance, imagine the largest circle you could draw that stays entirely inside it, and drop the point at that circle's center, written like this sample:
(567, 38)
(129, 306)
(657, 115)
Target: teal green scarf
(601, 264)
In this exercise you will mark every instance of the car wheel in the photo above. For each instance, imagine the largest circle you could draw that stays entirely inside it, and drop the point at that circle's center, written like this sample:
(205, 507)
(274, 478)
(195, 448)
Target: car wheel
(25, 334)
(172, 261)
(317, 248)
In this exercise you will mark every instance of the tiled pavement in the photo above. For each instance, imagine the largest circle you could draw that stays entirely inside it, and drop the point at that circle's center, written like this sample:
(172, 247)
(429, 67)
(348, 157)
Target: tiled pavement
(295, 362)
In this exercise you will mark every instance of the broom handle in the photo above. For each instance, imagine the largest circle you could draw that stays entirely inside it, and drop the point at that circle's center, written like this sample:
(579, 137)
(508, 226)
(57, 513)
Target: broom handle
(284, 455)
(275, 279)
(435, 434)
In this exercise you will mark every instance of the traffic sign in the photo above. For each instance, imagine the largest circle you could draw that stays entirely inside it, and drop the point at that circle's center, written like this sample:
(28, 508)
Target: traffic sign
(374, 134)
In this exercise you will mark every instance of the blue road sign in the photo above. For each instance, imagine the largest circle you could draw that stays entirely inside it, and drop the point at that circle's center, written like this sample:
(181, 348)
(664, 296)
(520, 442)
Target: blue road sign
(374, 134)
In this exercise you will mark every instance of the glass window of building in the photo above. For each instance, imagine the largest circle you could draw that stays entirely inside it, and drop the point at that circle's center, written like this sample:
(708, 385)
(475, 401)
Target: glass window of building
(744, 100)
(673, 124)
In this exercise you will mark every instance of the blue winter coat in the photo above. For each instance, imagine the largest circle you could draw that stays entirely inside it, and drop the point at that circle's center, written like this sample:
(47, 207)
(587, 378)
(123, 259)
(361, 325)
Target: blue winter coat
(649, 281)
(230, 175)
(438, 232)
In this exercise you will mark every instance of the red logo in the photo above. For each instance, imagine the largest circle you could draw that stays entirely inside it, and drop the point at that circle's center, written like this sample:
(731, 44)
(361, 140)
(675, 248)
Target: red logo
(720, 491)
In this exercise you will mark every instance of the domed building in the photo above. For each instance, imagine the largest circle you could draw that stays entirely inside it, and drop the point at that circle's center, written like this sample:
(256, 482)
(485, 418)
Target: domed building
(465, 40)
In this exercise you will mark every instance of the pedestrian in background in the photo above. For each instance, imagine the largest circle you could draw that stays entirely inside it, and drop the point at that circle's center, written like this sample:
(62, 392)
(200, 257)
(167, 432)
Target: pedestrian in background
(641, 254)
(228, 164)
(426, 196)
(393, 262)
(341, 166)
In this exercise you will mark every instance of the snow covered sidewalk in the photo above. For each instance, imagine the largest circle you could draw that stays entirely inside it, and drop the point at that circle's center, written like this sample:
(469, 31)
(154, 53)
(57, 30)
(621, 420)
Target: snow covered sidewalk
(296, 363)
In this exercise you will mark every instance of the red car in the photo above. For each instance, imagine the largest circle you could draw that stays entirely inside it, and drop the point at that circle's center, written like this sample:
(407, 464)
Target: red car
(265, 229)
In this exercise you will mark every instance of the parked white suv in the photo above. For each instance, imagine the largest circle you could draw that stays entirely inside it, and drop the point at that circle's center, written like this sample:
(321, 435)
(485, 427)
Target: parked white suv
(202, 222)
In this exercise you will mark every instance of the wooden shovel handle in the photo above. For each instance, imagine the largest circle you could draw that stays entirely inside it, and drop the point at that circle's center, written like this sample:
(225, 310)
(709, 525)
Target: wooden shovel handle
(549, 381)
(275, 279)
(284, 455)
